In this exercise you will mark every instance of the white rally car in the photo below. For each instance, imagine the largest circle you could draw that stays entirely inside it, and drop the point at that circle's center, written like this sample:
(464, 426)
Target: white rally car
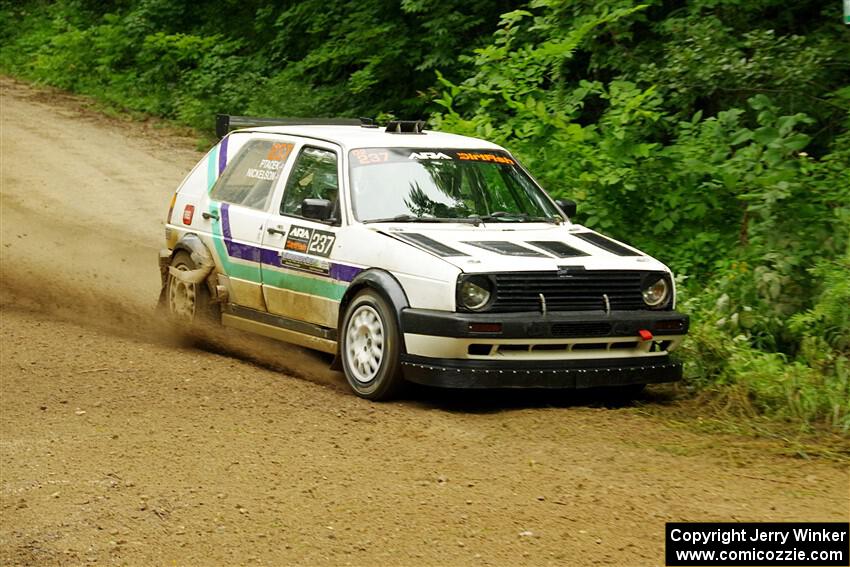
(411, 255)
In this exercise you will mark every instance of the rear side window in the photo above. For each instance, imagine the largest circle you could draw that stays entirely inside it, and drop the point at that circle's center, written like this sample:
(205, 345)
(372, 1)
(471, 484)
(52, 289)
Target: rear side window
(250, 177)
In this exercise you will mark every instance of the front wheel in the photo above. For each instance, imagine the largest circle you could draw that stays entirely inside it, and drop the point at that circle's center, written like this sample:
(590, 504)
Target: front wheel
(370, 345)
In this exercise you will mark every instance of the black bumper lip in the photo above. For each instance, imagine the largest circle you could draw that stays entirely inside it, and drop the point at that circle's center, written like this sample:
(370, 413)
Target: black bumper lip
(559, 374)
(575, 324)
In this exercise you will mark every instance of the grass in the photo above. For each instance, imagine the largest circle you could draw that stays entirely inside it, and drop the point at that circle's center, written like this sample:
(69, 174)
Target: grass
(719, 413)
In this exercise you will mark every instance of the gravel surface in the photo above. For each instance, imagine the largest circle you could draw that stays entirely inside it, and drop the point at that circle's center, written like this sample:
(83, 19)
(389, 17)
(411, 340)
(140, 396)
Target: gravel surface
(123, 442)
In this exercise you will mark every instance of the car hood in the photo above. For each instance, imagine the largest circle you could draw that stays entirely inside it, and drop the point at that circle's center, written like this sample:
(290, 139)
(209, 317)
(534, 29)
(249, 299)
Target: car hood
(520, 247)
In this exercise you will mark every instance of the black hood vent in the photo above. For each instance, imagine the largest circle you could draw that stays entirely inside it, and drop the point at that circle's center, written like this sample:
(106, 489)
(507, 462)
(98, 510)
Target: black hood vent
(606, 243)
(428, 244)
(559, 249)
(506, 248)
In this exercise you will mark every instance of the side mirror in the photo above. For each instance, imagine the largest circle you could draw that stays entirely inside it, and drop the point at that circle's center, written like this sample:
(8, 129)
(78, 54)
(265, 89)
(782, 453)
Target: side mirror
(567, 206)
(319, 209)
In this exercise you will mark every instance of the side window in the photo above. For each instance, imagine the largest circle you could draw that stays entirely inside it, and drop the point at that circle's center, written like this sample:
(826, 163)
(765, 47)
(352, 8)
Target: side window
(249, 179)
(314, 176)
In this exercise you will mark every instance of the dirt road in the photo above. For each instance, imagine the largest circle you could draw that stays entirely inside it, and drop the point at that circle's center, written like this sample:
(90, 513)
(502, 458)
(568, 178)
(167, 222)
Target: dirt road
(125, 444)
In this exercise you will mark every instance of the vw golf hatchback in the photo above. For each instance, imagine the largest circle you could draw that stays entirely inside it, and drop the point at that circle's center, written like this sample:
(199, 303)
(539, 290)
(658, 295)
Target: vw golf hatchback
(411, 255)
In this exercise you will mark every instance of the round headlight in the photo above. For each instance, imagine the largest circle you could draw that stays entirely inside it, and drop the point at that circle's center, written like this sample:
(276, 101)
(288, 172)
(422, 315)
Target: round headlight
(656, 293)
(475, 293)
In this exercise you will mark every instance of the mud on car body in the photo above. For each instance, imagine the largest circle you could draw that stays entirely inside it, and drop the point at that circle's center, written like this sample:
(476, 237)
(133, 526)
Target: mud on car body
(411, 255)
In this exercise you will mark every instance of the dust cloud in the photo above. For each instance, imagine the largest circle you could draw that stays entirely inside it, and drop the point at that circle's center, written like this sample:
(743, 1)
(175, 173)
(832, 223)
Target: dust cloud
(81, 226)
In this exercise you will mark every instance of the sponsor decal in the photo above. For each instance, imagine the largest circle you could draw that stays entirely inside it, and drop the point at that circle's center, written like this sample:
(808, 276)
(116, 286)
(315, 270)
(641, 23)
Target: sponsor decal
(365, 157)
(376, 156)
(428, 155)
(279, 152)
(489, 157)
(310, 241)
(321, 243)
(255, 173)
(298, 239)
(274, 161)
(305, 263)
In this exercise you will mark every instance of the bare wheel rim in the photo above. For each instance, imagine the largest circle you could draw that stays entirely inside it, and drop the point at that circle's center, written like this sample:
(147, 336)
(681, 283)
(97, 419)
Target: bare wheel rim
(181, 296)
(364, 346)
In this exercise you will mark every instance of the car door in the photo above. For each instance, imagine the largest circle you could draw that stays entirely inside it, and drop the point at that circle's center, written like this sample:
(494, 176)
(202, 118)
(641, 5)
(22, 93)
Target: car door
(239, 204)
(303, 283)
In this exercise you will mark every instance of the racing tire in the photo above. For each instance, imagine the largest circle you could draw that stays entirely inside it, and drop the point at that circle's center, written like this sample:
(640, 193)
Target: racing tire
(187, 304)
(370, 343)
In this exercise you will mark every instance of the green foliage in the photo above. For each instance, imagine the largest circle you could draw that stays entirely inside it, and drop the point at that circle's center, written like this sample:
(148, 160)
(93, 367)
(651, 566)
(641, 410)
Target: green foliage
(187, 61)
(730, 198)
(824, 329)
(713, 134)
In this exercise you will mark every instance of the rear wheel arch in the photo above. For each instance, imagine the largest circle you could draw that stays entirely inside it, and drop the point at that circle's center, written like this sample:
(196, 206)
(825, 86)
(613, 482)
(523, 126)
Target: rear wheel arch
(187, 302)
(192, 244)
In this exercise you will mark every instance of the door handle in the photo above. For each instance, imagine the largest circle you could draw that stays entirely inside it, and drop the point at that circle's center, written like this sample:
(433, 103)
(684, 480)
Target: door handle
(279, 231)
(208, 216)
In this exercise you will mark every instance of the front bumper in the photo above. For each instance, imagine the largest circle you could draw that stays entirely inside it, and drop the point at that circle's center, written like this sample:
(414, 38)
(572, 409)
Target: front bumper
(574, 324)
(534, 350)
(575, 374)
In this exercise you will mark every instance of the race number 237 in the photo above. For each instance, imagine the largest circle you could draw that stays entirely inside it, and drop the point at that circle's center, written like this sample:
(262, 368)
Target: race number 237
(321, 243)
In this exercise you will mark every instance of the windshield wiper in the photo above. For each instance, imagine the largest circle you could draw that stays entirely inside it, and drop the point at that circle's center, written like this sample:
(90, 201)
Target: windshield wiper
(402, 218)
(411, 218)
(514, 217)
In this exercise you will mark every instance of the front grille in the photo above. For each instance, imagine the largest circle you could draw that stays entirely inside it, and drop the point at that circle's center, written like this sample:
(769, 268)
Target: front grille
(570, 291)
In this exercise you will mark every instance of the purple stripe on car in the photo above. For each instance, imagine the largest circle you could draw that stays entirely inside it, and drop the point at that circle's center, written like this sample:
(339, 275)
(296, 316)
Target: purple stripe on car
(236, 249)
(344, 273)
(222, 155)
(243, 251)
(270, 257)
(225, 221)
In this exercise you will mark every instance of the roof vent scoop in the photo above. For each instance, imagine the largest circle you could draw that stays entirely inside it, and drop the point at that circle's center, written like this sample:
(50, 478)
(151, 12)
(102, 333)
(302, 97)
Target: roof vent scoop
(405, 127)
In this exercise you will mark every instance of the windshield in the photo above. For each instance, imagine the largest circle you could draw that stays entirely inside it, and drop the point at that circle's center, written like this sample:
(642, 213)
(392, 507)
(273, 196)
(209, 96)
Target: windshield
(434, 185)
